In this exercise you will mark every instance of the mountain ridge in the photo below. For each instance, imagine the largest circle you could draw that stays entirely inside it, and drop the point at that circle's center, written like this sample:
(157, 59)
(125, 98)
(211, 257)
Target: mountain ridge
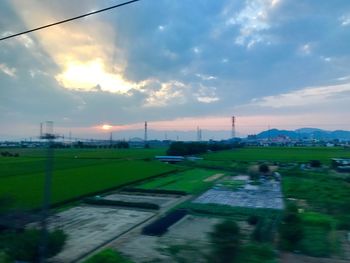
(306, 133)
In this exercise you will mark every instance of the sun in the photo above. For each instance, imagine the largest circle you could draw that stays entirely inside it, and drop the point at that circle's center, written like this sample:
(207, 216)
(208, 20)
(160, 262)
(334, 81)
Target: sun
(106, 127)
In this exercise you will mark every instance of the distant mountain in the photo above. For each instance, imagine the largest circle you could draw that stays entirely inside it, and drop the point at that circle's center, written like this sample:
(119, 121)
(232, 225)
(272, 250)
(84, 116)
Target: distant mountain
(308, 130)
(306, 133)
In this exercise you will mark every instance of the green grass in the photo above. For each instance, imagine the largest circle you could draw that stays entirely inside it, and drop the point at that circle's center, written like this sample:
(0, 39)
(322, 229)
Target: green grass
(108, 256)
(281, 154)
(25, 165)
(319, 242)
(67, 184)
(87, 153)
(321, 192)
(191, 181)
(256, 253)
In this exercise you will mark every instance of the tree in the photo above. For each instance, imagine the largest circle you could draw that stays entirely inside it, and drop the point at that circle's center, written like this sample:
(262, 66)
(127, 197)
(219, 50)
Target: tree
(181, 148)
(264, 168)
(315, 163)
(225, 239)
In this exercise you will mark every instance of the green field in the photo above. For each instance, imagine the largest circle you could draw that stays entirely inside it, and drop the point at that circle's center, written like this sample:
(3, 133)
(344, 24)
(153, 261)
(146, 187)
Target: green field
(191, 181)
(22, 178)
(90, 153)
(280, 154)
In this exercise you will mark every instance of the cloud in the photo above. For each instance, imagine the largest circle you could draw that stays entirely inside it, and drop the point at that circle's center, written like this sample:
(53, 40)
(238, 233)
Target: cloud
(7, 70)
(345, 20)
(169, 93)
(253, 22)
(205, 77)
(195, 60)
(206, 94)
(92, 76)
(305, 97)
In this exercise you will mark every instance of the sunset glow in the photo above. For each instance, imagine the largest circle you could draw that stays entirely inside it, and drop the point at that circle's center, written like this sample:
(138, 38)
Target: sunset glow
(106, 127)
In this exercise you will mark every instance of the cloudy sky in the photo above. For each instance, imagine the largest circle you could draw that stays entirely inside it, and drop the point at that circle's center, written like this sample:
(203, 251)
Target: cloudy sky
(178, 64)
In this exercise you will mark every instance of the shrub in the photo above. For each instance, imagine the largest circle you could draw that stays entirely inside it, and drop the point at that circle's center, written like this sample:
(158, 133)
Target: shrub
(315, 163)
(264, 231)
(107, 256)
(225, 241)
(160, 226)
(99, 201)
(264, 168)
(155, 191)
(291, 229)
(253, 220)
(257, 253)
(25, 246)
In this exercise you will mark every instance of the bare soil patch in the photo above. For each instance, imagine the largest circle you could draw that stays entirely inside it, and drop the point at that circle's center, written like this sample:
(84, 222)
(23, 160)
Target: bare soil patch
(213, 177)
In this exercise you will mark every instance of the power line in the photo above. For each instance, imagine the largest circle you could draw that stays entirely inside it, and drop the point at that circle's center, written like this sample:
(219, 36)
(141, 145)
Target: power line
(69, 19)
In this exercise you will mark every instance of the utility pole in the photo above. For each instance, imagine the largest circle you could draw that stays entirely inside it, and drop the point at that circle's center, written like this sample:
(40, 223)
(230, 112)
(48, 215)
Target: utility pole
(49, 137)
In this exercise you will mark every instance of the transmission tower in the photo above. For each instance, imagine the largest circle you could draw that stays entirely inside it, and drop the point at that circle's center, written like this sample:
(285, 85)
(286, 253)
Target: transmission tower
(233, 132)
(146, 135)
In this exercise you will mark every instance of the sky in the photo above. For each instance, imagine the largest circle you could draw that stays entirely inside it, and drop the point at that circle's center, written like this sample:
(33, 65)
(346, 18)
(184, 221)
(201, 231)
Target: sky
(177, 64)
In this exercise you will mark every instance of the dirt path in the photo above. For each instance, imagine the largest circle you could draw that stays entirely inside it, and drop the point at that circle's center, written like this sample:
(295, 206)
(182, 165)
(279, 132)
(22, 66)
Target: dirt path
(213, 177)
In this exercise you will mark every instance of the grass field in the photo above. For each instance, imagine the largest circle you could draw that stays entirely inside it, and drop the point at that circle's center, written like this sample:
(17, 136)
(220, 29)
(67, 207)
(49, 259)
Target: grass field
(281, 154)
(90, 153)
(191, 181)
(22, 178)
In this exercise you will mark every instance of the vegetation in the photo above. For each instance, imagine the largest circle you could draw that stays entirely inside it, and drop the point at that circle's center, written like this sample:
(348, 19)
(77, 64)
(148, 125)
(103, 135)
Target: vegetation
(190, 181)
(256, 253)
(154, 191)
(279, 154)
(101, 201)
(225, 240)
(291, 229)
(264, 230)
(264, 168)
(182, 148)
(192, 148)
(108, 256)
(329, 194)
(24, 246)
(71, 183)
(160, 226)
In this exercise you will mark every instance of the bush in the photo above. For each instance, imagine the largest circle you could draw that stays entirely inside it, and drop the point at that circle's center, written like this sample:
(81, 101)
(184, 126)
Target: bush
(256, 253)
(264, 168)
(107, 256)
(319, 220)
(291, 229)
(253, 220)
(264, 231)
(316, 242)
(343, 222)
(160, 226)
(315, 163)
(25, 246)
(99, 201)
(225, 241)
(155, 191)
(4, 258)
